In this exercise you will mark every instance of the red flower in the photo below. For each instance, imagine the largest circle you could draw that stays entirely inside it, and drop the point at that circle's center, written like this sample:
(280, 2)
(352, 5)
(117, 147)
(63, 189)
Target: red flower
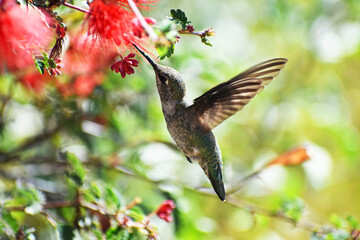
(165, 210)
(190, 28)
(84, 85)
(60, 31)
(110, 22)
(86, 57)
(21, 32)
(138, 29)
(34, 81)
(125, 65)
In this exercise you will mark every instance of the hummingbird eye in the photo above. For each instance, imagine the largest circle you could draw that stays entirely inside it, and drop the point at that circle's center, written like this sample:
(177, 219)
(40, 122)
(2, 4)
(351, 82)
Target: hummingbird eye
(162, 78)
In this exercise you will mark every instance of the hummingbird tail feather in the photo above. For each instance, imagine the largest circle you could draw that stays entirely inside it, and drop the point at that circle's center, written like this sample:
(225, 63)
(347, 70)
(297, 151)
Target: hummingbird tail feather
(216, 179)
(218, 187)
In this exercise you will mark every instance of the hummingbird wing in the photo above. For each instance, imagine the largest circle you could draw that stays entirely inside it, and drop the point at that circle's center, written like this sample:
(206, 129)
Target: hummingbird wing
(225, 99)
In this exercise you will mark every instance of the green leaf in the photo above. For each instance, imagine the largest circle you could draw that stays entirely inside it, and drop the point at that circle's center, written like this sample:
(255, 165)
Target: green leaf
(293, 208)
(353, 222)
(135, 235)
(112, 197)
(30, 197)
(40, 65)
(9, 220)
(97, 233)
(117, 234)
(337, 221)
(206, 41)
(338, 235)
(75, 171)
(165, 51)
(179, 17)
(93, 192)
(136, 213)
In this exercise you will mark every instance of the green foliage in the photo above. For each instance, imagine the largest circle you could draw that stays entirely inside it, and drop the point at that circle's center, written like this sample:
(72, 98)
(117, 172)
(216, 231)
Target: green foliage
(136, 213)
(8, 223)
(30, 197)
(167, 31)
(43, 63)
(206, 41)
(117, 234)
(75, 170)
(293, 208)
(336, 235)
(164, 51)
(179, 17)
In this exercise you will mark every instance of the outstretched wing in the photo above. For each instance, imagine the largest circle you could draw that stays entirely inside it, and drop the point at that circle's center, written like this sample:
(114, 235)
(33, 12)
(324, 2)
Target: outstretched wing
(224, 100)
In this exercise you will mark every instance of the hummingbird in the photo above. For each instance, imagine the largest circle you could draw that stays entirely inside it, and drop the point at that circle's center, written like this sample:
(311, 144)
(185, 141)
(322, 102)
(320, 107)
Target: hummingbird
(190, 122)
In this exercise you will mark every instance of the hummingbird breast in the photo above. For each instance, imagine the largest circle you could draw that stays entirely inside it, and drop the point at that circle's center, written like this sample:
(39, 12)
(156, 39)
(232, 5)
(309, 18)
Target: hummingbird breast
(190, 140)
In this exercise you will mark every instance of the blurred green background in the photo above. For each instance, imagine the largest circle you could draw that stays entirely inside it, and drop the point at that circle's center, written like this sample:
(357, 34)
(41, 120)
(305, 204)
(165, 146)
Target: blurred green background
(314, 102)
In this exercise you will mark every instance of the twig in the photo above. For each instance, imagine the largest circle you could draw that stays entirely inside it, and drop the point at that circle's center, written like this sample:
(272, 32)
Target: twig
(48, 205)
(253, 209)
(241, 183)
(29, 143)
(76, 8)
(205, 33)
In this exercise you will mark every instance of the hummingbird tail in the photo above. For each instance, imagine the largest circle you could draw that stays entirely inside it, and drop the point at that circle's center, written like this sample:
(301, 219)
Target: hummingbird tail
(218, 188)
(214, 173)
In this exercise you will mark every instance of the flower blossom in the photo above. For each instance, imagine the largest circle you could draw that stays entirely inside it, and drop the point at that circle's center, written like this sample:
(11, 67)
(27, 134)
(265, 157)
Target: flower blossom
(84, 85)
(165, 210)
(138, 29)
(125, 65)
(34, 81)
(21, 33)
(110, 22)
(85, 70)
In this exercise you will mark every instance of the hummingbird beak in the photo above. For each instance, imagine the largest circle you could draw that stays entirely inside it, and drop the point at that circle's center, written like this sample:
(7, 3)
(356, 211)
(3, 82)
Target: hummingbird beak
(153, 64)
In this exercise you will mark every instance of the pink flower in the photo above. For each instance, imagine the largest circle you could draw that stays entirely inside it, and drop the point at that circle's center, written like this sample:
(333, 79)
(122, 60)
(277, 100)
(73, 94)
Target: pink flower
(165, 210)
(21, 33)
(125, 65)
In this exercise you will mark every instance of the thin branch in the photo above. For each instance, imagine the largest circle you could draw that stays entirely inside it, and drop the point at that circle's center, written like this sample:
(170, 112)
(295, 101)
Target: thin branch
(123, 219)
(253, 209)
(76, 8)
(29, 143)
(242, 182)
(205, 33)
(48, 205)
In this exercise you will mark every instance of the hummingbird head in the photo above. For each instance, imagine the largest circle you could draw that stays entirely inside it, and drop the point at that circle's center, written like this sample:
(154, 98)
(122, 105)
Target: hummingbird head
(168, 80)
